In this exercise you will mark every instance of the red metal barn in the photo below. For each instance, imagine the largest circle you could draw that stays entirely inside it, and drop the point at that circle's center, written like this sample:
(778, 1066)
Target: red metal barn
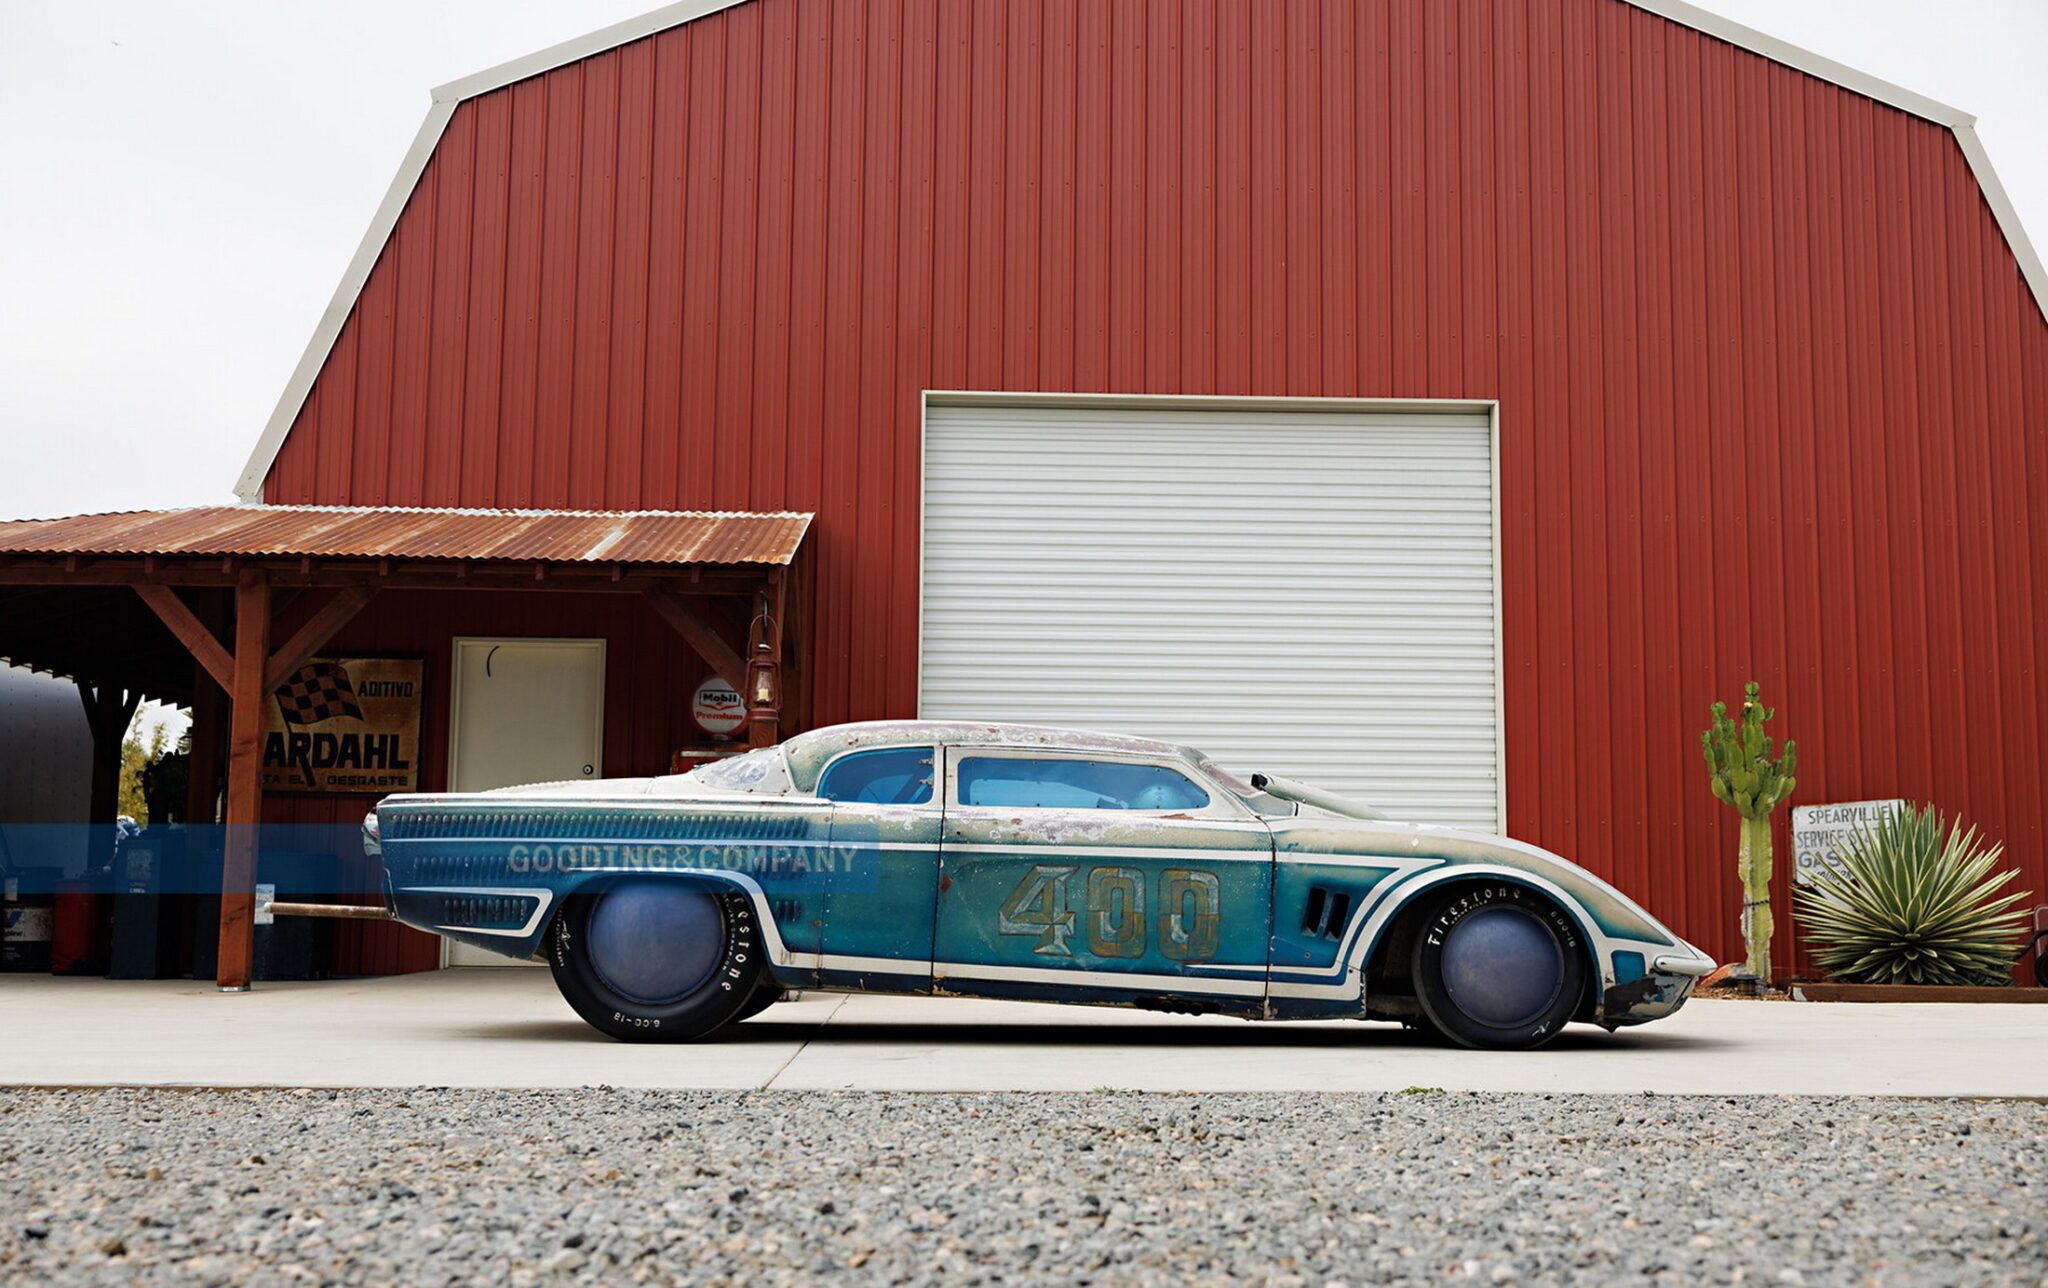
(1755, 345)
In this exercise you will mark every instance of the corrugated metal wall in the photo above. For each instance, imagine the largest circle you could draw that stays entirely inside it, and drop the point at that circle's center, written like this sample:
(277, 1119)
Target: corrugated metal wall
(45, 758)
(1768, 371)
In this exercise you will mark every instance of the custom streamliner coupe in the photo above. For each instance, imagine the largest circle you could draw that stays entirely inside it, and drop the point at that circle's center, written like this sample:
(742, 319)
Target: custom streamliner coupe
(1018, 862)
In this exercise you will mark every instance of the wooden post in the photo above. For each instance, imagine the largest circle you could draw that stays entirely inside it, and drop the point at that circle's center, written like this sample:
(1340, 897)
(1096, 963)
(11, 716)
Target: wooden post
(245, 782)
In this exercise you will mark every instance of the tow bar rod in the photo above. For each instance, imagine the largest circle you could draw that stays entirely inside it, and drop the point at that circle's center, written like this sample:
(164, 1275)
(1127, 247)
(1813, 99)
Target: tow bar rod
(350, 911)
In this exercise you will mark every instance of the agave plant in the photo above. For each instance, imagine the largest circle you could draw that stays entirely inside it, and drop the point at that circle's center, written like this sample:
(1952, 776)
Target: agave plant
(1912, 902)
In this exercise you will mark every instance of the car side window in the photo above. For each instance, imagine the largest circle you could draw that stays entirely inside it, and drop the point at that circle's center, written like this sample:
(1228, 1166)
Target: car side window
(1015, 781)
(886, 776)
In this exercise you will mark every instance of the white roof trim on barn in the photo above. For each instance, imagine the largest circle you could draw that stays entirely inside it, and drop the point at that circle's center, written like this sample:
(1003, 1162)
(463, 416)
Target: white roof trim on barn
(249, 487)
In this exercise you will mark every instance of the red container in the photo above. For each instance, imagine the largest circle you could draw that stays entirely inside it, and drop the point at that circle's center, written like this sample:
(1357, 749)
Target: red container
(82, 940)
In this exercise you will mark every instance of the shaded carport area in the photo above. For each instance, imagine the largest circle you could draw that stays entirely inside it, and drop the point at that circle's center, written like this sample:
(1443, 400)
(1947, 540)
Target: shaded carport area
(216, 607)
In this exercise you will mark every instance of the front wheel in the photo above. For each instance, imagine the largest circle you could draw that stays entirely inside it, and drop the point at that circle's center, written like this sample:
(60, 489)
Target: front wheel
(653, 960)
(1498, 967)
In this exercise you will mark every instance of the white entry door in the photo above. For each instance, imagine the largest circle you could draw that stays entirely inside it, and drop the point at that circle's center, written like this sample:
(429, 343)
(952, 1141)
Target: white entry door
(523, 711)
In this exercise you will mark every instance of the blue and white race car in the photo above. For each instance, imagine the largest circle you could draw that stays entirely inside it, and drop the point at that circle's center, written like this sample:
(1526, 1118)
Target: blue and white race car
(1011, 861)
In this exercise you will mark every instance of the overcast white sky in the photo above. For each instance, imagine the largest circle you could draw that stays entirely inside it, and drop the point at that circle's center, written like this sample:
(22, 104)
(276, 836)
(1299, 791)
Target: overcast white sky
(182, 185)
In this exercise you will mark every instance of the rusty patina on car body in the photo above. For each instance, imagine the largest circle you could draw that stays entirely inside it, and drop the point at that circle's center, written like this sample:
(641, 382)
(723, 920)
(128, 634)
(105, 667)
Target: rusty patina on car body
(1219, 897)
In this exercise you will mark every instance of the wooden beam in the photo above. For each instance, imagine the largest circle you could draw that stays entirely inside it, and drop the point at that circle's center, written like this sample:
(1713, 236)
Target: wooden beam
(249, 696)
(319, 628)
(726, 662)
(191, 632)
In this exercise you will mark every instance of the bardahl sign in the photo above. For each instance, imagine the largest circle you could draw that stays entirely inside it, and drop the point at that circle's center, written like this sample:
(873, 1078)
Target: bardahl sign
(344, 725)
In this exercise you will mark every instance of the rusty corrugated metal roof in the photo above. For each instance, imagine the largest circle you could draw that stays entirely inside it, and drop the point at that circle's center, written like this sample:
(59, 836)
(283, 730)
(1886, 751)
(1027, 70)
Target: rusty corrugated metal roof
(553, 536)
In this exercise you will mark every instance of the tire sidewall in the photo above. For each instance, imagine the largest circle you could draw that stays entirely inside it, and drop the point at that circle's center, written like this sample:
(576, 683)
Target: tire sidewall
(1444, 916)
(713, 1003)
(764, 996)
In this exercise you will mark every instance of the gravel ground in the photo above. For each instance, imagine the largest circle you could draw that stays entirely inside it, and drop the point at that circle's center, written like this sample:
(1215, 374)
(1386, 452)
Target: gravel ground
(529, 1187)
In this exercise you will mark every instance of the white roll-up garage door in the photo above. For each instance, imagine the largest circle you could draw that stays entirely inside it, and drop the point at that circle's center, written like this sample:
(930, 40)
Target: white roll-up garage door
(1306, 587)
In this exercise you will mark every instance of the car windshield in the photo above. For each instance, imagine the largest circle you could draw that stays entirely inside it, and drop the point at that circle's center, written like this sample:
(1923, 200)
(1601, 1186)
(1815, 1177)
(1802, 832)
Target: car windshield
(1259, 802)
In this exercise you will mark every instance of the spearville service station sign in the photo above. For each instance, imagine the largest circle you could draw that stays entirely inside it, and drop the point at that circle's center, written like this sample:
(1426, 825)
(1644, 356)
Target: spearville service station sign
(1816, 829)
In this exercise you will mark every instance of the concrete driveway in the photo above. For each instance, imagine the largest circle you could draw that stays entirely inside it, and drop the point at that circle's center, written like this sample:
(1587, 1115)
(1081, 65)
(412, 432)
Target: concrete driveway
(508, 1028)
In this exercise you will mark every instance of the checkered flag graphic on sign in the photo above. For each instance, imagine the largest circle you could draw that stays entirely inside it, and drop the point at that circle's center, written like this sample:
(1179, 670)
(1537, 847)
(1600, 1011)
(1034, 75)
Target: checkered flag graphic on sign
(320, 691)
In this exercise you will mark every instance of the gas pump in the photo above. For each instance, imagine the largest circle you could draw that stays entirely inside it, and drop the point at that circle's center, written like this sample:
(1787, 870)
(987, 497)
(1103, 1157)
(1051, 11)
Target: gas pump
(148, 883)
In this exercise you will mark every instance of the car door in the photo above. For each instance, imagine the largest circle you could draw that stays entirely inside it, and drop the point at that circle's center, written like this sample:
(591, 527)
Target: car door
(1109, 874)
(883, 868)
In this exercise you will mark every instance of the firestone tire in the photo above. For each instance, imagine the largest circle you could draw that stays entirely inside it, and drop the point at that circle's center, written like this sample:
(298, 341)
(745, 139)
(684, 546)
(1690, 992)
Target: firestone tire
(1498, 968)
(655, 960)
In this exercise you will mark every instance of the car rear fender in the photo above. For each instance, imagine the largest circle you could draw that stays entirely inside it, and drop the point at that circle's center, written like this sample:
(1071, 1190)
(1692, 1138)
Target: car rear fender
(535, 907)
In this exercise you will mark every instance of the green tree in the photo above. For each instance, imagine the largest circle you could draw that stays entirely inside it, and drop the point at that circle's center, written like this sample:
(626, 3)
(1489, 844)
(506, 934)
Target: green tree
(139, 753)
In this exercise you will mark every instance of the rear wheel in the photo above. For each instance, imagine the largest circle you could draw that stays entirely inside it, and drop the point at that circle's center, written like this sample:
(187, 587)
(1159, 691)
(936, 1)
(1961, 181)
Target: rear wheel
(653, 960)
(1498, 967)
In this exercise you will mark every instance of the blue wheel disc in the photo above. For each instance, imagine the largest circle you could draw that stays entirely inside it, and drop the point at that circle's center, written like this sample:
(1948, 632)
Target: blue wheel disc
(1502, 967)
(654, 941)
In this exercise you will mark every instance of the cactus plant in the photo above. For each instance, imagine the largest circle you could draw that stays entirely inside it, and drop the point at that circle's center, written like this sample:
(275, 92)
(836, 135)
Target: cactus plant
(1743, 774)
(1903, 905)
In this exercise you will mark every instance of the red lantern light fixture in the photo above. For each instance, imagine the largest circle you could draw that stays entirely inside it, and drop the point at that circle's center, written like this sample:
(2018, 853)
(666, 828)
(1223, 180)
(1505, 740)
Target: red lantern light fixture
(764, 674)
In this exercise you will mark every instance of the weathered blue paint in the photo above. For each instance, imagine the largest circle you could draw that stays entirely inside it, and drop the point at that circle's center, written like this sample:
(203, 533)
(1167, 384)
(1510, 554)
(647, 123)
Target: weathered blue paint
(1159, 902)
(1231, 907)
(1309, 931)
(1604, 906)
(886, 923)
